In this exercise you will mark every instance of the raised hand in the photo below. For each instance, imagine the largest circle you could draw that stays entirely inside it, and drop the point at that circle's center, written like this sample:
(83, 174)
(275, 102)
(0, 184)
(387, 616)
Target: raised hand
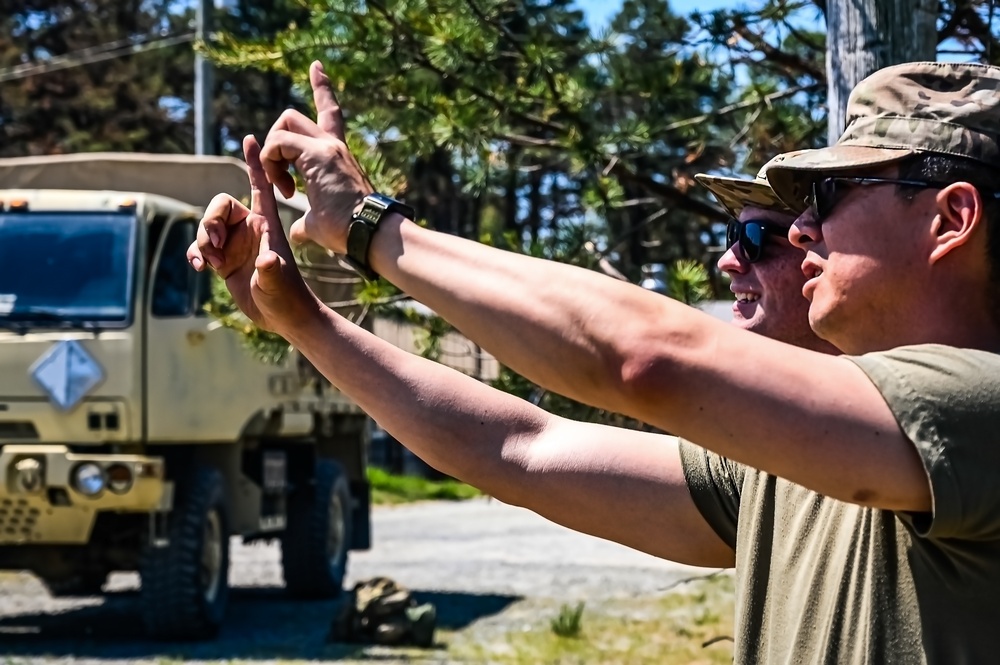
(335, 183)
(248, 248)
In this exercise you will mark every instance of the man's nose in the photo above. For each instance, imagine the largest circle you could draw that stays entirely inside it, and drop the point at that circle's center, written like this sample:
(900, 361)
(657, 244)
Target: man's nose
(805, 230)
(733, 261)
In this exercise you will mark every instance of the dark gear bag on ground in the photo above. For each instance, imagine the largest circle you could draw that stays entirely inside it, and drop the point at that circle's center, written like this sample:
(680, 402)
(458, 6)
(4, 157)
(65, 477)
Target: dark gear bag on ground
(380, 611)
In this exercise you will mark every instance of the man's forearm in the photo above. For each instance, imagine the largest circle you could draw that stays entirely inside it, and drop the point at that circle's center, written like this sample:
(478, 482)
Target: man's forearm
(599, 480)
(619, 347)
(455, 423)
(616, 346)
(568, 329)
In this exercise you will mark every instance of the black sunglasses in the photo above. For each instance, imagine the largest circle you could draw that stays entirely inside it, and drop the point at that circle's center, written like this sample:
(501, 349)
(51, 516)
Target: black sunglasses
(749, 235)
(825, 191)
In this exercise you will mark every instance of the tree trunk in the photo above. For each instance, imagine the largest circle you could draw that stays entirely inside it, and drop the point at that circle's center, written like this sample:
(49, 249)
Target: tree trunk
(535, 204)
(866, 35)
(510, 196)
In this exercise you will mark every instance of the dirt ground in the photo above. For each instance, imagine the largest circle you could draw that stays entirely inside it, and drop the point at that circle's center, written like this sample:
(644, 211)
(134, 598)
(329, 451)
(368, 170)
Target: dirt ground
(488, 567)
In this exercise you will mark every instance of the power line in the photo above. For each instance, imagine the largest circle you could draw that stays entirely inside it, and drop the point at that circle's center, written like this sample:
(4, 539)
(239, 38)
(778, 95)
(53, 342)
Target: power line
(87, 56)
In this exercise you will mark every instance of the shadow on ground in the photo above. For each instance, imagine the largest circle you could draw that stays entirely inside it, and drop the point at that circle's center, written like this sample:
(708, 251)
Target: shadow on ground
(262, 624)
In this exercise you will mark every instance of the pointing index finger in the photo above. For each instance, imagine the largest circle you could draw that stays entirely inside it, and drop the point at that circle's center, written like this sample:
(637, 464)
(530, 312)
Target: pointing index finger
(262, 201)
(328, 113)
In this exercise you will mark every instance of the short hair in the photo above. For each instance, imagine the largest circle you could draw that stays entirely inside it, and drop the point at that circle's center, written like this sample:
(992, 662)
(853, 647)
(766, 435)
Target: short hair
(950, 168)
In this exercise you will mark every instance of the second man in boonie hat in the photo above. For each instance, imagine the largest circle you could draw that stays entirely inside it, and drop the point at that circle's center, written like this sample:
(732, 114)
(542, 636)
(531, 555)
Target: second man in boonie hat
(764, 269)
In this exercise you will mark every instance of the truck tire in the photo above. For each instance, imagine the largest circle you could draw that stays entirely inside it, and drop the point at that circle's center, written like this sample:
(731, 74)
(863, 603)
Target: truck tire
(315, 543)
(185, 585)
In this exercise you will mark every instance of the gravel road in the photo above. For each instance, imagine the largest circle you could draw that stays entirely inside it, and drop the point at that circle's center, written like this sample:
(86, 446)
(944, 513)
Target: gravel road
(486, 566)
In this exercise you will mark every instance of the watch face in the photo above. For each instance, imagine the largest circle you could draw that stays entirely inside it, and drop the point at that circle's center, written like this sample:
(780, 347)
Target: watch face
(382, 203)
(380, 200)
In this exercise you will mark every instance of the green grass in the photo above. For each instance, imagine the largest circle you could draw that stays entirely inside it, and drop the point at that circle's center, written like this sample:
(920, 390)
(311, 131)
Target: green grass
(569, 622)
(687, 625)
(691, 624)
(392, 489)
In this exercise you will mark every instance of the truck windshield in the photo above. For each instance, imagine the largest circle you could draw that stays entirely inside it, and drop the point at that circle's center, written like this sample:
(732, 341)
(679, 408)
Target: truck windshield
(65, 268)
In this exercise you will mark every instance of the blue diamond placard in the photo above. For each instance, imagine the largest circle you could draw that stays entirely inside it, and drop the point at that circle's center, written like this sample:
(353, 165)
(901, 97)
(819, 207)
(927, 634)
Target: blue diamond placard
(67, 373)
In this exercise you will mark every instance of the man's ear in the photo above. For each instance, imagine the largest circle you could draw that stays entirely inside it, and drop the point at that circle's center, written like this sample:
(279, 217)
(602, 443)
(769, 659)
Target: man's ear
(960, 214)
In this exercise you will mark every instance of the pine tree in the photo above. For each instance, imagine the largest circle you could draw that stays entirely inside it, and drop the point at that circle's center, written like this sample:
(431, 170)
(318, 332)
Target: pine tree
(131, 86)
(121, 103)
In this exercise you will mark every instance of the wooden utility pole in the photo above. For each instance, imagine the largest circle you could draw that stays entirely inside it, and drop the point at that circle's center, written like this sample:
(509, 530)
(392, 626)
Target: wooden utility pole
(866, 35)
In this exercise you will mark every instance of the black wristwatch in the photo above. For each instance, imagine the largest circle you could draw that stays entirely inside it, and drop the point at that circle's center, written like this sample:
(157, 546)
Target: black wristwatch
(364, 222)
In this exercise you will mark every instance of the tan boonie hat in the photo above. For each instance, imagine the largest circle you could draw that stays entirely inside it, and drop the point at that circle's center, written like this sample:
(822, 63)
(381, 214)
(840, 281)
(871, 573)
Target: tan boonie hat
(734, 194)
(948, 108)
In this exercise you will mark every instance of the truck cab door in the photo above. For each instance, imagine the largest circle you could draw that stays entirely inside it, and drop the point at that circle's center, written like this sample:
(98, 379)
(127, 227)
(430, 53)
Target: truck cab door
(201, 384)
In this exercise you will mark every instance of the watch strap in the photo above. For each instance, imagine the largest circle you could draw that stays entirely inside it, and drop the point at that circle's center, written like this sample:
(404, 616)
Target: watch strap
(359, 241)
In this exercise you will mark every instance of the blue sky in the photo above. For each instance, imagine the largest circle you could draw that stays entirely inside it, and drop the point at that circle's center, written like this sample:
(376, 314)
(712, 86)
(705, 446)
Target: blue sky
(599, 12)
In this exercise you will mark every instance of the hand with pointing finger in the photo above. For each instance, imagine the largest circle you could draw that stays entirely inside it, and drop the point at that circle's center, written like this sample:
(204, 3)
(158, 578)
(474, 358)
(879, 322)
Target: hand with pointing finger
(335, 183)
(248, 248)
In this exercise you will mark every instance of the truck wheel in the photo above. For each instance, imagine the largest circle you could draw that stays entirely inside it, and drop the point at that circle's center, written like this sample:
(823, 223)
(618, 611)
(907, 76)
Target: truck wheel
(315, 543)
(185, 585)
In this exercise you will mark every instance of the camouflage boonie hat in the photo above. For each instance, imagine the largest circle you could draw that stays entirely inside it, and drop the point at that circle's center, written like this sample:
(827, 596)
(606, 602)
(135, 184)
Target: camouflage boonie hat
(917, 107)
(734, 194)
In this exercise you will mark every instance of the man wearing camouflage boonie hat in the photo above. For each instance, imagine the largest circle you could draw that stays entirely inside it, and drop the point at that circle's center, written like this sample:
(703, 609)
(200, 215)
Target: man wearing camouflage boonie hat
(937, 108)
(900, 226)
(734, 194)
(763, 268)
(855, 494)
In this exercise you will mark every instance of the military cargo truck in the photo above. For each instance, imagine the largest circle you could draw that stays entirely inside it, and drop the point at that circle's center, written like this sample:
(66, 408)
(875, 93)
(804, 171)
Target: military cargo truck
(136, 432)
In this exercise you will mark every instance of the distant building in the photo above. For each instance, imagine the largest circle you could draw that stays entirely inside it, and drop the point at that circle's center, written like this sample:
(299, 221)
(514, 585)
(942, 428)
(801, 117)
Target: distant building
(457, 351)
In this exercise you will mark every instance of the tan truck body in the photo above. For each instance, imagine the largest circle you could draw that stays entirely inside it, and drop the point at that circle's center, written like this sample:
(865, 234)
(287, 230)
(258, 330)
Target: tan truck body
(118, 432)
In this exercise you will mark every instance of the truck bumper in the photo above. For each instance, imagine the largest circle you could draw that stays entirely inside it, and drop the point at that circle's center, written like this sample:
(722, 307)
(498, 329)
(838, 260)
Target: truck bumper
(43, 501)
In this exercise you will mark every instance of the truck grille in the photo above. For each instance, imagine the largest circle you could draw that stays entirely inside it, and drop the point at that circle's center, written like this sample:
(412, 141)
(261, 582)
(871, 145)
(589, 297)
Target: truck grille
(18, 430)
(17, 519)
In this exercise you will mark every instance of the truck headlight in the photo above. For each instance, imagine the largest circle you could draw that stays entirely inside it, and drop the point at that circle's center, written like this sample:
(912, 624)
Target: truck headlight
(119, 478)
(88, 479)
(29, 475)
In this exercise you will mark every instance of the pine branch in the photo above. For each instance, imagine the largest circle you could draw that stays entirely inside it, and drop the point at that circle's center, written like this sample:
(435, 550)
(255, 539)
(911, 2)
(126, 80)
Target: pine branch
(424, 59)
(546, 71)
(766, 100)
(787, 60)
(667, 192)
(803, 38)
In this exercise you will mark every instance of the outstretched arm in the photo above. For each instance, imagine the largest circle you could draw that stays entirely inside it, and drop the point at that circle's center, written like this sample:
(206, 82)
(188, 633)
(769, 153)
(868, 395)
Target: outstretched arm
(622, 485)
(618, 484)
(568, 331)
(813, 419)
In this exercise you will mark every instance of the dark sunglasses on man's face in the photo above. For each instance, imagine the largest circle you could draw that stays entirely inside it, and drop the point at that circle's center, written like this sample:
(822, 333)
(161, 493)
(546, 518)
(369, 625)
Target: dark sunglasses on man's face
(749, 235)
(825, 191)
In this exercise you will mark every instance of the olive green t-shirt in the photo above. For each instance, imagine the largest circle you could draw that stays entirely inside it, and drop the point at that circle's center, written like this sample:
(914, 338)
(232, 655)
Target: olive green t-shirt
(822, 581)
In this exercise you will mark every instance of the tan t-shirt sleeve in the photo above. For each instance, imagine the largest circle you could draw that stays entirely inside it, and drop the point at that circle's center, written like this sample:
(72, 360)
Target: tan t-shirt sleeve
(715, 483)
(947, 402)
